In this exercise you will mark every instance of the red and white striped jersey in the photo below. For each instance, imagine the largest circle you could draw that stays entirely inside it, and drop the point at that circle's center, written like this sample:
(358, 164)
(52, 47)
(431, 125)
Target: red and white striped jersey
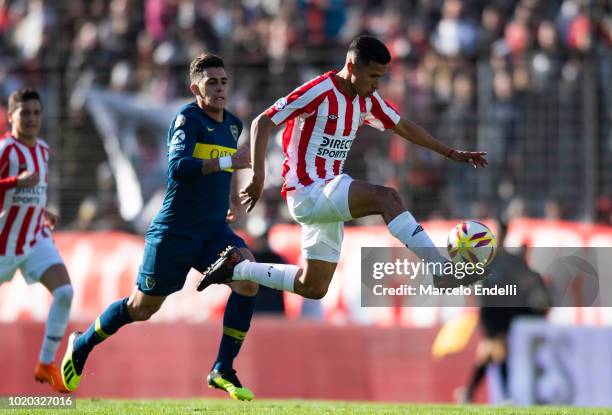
(321, 124)
(21, 209)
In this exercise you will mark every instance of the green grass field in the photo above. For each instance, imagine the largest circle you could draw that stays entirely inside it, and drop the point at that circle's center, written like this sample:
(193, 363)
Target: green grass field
(260, 407)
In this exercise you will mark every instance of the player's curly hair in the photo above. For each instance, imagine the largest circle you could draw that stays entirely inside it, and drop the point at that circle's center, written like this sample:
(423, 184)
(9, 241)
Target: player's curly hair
(20, 96)
(203, 62)
(369, 49)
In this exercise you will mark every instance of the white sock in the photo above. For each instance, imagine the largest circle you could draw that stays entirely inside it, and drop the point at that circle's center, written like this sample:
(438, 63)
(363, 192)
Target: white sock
(277, 276)
(405, 228)
(57, 321)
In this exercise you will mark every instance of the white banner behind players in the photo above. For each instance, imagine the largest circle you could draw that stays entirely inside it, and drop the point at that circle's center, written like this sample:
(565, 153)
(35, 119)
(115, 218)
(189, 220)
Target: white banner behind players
(565, 365)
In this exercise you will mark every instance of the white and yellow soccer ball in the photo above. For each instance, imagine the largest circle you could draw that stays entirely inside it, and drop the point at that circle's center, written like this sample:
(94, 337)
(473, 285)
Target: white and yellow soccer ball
(472, 241)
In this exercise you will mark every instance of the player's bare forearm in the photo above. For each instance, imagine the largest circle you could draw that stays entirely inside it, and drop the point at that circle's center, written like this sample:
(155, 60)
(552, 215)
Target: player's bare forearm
(235, 207)
(260, 132)
(210, 166)
(416, 134)
(234, 191)
(413, 133)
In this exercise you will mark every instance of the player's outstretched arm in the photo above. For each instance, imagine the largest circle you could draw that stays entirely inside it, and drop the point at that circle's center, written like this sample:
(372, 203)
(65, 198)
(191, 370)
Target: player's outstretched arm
(260, 132)
(241, 159)
(26, 179)
(414, 133)
(236, 209)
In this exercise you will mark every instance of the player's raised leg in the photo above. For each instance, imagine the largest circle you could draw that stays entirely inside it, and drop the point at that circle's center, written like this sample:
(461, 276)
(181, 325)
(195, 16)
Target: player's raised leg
(233, 266)
(367, 199)
(138, 307)
(236, 324)
(57, 281)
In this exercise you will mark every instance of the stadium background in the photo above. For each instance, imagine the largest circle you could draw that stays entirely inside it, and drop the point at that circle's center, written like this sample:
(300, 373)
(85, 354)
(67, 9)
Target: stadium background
(528, 81)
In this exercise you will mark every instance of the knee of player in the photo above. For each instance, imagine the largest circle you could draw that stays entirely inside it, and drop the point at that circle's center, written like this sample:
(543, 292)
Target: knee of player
(391, 197)
(63, 295)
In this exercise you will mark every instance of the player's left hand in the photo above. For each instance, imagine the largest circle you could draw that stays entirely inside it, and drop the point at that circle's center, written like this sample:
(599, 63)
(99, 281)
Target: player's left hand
(251, 194)
(475, 158)
(50, 219)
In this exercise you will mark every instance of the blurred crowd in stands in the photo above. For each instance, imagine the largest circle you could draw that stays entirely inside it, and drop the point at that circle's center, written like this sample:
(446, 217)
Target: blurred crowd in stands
(526, 80)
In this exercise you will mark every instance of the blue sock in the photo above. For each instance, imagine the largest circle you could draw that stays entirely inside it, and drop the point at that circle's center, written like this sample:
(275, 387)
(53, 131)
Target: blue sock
(107, 324)
(236, 323)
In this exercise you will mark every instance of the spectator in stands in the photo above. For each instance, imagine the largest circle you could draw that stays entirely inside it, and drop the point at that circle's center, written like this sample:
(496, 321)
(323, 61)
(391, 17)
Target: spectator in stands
(498, 134)
(458, 123)
(540, 45)
(455, 35)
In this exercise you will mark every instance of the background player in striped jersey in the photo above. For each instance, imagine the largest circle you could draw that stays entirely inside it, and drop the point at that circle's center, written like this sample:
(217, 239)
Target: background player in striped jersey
(321, 120)
(25, 224)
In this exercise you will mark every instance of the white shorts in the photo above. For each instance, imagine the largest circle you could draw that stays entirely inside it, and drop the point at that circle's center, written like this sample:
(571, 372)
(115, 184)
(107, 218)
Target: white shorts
(322, 209)
(32, 264)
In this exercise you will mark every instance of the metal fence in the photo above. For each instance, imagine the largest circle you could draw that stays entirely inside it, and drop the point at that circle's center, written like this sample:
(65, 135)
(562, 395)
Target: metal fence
(547, 134)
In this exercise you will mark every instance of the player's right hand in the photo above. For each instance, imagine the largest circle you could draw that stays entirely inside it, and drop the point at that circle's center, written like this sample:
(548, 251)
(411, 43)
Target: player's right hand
(251, 194)
(27, 179)
(242, 158)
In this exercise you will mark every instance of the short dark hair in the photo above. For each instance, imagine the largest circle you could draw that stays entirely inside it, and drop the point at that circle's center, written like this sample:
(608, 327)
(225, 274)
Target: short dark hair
(20, 96)
(203, 62)
(369, 49)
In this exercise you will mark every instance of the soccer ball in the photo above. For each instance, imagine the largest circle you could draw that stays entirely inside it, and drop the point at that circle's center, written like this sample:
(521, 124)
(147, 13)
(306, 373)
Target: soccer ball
(471, 241)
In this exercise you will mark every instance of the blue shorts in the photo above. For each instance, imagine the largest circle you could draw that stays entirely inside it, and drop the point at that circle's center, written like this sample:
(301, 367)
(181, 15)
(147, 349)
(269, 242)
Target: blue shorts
(167, 259)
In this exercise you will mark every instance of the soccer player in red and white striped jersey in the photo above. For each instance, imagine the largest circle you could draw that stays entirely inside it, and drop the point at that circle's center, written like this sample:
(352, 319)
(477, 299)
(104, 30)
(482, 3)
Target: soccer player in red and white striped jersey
(322, 118)
(25, 223)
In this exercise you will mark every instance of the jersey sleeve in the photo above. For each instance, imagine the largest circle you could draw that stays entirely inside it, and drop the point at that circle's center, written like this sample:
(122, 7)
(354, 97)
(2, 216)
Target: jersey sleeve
(381, 115)
(182, 139)
(6, 182)
(302, 100)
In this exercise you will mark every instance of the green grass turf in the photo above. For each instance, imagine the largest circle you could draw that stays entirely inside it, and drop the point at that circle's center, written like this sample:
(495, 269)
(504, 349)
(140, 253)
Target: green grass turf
(263, 407)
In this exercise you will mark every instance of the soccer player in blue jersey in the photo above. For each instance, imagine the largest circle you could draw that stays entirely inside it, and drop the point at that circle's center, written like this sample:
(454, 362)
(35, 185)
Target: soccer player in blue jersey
(190, 229)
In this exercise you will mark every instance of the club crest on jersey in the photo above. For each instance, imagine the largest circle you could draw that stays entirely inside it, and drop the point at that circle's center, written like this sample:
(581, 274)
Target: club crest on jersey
(150, 283)
(280, 104)
(180, 121)
(234, 131)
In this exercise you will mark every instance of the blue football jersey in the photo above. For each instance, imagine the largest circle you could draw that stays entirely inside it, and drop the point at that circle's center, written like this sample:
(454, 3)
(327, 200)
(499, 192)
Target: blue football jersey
(196, 205)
